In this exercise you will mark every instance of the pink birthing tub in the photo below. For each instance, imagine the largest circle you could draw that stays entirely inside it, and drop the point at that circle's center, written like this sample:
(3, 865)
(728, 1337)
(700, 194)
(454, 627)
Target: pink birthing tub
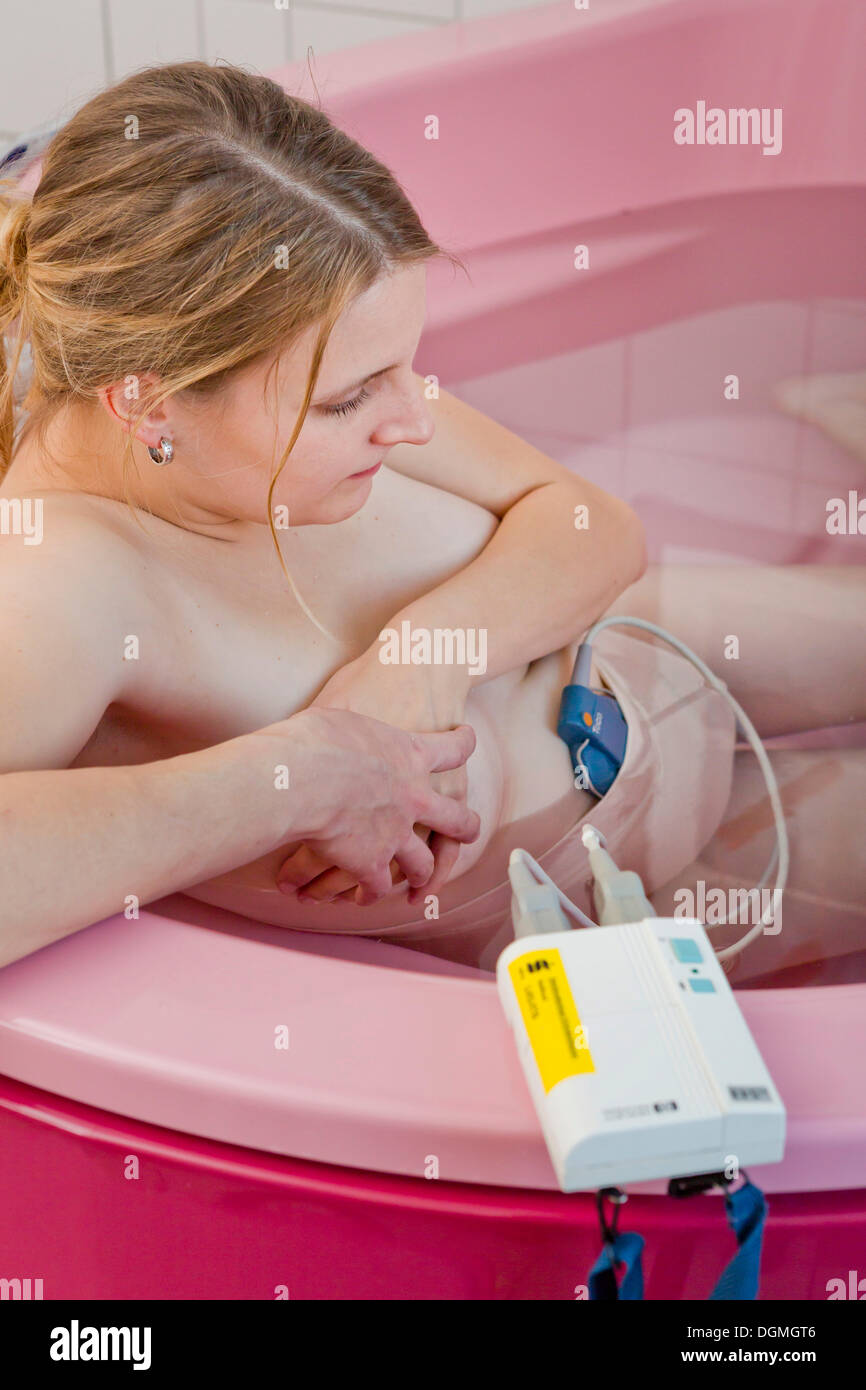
(391, 1149)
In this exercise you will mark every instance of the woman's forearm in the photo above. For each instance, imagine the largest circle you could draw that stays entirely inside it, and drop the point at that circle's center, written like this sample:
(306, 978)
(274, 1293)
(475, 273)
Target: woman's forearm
(550, 569)
(80, 844)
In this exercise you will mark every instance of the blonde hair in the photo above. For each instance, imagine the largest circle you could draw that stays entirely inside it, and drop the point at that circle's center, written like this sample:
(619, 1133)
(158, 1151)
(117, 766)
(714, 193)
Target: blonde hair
(189, 220)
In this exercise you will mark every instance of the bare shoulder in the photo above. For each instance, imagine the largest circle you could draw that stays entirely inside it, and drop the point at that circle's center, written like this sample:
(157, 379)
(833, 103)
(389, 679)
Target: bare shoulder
(71, 594)
(86, 534)
(75, 553)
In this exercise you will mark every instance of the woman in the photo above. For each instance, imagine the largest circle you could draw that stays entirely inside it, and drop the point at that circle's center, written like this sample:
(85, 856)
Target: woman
(223, 312)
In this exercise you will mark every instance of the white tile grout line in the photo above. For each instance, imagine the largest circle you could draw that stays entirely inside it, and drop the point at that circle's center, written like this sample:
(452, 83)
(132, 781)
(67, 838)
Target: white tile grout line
(200, 31)
(107, 46)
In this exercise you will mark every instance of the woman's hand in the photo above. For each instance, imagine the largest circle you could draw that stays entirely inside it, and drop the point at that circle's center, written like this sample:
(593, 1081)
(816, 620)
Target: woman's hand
(365, 787)
(419, 698)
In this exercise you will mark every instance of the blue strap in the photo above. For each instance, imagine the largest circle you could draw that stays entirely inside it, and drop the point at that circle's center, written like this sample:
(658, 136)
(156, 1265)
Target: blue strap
(746, 1211)
(626, 1248)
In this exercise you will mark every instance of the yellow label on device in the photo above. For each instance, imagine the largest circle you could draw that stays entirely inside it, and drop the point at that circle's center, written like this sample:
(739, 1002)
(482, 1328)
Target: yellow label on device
(550, 1016)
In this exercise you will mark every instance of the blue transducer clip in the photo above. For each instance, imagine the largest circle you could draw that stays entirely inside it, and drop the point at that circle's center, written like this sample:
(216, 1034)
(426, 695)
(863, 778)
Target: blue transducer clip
(592, 725)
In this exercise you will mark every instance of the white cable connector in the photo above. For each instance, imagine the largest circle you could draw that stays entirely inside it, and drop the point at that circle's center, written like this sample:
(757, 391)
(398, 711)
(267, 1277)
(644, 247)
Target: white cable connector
(618, 894)
(534, 906)
(537, 902)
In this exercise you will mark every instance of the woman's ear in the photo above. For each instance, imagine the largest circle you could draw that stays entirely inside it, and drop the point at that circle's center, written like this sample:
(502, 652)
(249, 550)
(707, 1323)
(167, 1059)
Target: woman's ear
(123, 400)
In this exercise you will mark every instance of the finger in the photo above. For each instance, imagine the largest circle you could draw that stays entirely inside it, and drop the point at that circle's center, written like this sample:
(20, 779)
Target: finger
(300, 868)
(373, 885)
(338, 883)
(450, 817)
(445, 852)
(327, 886)
(423, 832)
(448, 748)
(416, 860)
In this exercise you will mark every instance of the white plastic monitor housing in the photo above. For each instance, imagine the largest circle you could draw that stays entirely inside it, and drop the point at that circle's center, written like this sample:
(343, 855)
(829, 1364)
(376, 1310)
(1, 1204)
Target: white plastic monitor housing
(637, 1057)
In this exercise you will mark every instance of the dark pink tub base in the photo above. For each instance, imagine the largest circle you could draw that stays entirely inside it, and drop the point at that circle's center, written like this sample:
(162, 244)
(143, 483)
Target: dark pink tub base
(213, 1221)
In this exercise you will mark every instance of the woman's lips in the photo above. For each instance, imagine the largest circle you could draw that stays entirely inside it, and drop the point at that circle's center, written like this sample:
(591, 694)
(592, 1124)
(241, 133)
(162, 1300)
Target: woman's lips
(368, 472)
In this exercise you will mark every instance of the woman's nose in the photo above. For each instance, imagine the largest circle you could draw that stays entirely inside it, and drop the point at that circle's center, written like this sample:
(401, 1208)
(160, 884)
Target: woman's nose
(409, 419)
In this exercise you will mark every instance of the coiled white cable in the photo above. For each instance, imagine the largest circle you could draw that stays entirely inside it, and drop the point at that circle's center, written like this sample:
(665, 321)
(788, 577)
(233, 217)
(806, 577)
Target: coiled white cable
(780, 850)
(750, 733)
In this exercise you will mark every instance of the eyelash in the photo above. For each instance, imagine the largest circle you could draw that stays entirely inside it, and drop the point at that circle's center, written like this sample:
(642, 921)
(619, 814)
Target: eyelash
(345, 406)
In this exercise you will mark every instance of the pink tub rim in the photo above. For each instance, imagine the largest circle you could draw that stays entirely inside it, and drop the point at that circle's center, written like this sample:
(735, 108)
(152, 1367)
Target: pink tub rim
(174, 1024)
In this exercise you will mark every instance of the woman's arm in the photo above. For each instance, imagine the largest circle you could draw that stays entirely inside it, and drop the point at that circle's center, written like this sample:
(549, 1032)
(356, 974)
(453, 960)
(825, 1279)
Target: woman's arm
(80, 844)
(563, 551)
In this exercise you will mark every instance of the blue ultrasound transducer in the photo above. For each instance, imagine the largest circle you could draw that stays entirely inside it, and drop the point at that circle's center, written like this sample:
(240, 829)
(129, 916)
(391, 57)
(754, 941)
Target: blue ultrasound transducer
(591, 723)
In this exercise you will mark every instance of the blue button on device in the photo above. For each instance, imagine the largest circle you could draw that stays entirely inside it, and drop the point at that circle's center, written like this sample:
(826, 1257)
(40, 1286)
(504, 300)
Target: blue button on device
(686, 949)
(701, 986)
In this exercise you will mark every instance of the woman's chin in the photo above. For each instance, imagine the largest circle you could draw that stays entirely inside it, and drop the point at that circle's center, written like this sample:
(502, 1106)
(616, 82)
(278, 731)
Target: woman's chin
(348, 497)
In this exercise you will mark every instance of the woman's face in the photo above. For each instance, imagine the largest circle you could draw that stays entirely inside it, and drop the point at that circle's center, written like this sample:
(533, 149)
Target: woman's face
(366, 400)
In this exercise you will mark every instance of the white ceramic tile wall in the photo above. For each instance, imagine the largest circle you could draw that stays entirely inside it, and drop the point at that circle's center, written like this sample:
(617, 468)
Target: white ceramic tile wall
(52, 57)
(255, 35)
(57, 53)
(160, 31)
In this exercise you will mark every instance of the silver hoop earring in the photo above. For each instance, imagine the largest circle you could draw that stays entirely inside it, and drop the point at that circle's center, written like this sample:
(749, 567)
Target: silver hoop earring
(165, 456)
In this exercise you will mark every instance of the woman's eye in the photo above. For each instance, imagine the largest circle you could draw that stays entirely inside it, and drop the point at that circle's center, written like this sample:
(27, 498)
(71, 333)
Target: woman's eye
(345, 406)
